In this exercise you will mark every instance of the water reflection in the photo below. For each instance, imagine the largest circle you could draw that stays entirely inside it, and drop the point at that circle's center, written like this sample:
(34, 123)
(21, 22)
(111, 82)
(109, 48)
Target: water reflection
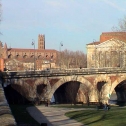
(113, 98)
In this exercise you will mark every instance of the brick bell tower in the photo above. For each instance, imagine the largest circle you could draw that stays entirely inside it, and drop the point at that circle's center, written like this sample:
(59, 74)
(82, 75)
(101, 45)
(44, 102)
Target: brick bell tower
(41, 41)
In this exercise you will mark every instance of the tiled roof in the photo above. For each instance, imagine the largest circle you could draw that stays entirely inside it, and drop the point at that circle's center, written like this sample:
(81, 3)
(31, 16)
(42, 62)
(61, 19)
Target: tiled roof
(111, 33)
(94, 43)
(32, 50)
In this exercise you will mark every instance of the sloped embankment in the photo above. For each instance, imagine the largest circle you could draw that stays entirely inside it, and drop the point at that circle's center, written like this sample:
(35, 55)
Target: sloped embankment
(6, 117)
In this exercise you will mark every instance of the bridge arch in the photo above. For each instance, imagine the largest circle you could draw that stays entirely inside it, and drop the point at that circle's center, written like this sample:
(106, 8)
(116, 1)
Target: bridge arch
(117, 82)
(65, 79)
(105, 83)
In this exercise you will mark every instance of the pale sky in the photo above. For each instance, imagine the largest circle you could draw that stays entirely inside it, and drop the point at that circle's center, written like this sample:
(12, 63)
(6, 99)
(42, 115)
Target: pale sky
(75, 23)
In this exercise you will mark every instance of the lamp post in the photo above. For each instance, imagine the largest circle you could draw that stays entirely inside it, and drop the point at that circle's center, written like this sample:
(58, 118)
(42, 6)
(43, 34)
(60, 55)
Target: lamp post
(51, 58)
(61, 44)
(95, 52)
(33, 43)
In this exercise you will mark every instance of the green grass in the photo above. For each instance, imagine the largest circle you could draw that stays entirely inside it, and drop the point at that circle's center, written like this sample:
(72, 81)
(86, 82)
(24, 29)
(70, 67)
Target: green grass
(73, 106)
(113, 117)
(22, 116)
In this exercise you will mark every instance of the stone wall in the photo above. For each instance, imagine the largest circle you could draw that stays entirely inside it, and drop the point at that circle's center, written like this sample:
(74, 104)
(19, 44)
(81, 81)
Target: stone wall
(6, 117)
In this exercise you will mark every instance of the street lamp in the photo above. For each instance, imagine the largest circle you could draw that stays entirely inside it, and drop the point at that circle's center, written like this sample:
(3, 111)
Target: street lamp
(33, 43)
(51, 58)
(95, 51)
(61, 44)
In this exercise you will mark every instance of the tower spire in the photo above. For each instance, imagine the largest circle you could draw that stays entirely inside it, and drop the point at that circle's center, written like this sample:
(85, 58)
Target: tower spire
(41, 41)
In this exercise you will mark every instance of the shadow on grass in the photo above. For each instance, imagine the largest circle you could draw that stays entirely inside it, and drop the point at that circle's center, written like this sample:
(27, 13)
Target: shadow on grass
(114, 117)
(84, 116)
(102, 118)
(80, 115)
(18, 105)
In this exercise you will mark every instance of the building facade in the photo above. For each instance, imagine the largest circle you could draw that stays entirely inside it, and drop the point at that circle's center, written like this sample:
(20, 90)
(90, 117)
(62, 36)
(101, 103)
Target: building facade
(110, 51)
(28, 59)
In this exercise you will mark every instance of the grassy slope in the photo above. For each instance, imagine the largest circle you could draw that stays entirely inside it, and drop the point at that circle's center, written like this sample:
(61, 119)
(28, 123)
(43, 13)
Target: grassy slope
(113, 117)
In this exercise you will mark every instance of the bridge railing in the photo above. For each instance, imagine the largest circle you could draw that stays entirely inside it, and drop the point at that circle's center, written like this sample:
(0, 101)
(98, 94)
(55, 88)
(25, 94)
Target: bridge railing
(63, 72)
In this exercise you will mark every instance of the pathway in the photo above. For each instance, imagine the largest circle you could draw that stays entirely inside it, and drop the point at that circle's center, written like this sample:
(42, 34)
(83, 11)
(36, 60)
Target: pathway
(53, 116)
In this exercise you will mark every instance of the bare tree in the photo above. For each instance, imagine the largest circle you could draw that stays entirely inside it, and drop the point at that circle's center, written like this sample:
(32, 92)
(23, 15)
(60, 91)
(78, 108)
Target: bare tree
(121, 25)
(71, 59)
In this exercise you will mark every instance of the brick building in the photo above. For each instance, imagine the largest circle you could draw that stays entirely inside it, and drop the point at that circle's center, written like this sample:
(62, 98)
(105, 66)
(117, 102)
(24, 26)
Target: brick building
(1, 64)
(109, 51)
(25, 59)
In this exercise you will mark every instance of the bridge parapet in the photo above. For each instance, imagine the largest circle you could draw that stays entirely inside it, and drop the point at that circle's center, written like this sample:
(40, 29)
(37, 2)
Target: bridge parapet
(62, 72)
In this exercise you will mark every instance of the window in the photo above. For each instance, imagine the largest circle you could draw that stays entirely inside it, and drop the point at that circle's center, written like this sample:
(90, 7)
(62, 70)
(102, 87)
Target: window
(93, 57)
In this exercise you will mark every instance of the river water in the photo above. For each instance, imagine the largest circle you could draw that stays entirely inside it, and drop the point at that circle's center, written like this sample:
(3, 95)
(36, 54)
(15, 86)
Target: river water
(113, 99)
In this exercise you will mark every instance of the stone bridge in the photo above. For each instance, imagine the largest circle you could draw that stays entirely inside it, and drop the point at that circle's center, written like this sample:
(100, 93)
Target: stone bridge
(93, 85)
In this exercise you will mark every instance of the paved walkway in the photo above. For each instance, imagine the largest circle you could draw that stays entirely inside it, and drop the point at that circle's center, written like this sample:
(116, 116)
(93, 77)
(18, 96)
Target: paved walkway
(52, 116)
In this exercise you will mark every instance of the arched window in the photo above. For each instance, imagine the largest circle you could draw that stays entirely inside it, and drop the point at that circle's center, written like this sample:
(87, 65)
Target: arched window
(46, 55)
(115, 59)
(25, 56)
(17, 56)
(107, 59)
(101, 59)
(10, 56)
(32, 56)
(51, 56)
(39, 57)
